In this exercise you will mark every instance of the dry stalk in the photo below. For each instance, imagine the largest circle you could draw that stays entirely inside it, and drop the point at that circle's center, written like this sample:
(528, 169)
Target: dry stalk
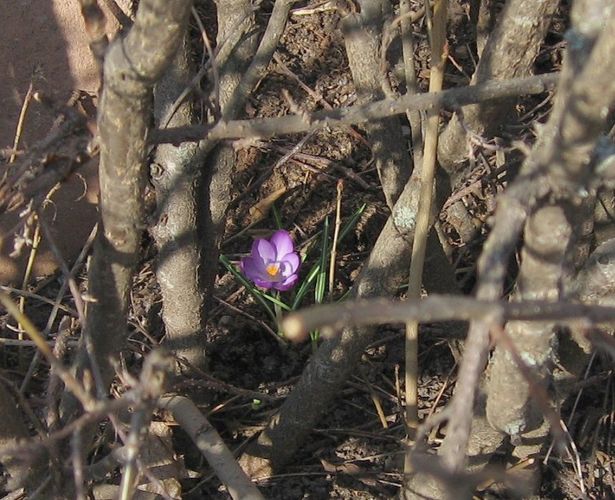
(336, 233)
(438, 63)
(25, 105)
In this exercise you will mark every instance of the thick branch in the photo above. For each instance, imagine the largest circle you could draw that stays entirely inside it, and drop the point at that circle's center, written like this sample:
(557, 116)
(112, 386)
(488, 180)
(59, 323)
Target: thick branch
(548, 234)
(211, 445)
(334, 317)
(132, 66)
(362, 39)
(175, 176)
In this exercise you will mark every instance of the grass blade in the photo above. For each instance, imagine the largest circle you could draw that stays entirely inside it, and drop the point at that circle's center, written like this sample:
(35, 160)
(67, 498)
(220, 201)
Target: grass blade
(255, 292)
(354, 218)
(305, 285)
(321, 278)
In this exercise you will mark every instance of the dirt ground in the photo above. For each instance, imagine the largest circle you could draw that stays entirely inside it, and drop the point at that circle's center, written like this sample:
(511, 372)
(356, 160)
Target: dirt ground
(355, 452)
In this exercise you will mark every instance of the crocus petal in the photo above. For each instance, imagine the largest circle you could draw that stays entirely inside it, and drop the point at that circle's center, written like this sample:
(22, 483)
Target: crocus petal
(264, 250)
(290, 264)
(287, 284)
(263, 284)
(252, 267)
(283, 243)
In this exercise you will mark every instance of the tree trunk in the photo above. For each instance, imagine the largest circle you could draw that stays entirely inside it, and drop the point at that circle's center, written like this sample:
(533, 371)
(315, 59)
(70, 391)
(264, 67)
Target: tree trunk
(561, 164)
(509, 52)
(176, 176)
(362, 37)
(132, 66)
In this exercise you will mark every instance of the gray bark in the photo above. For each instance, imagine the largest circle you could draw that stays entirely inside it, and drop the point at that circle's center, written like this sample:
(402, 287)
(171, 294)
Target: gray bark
(132, 66)
(560, 164)
(176, 175)
(300, 123)
(509, 52)
(362, 37)
(548, 234)
(594, 284)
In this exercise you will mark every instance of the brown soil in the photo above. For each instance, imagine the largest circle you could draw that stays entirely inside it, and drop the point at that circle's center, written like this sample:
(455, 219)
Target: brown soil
(44, 44)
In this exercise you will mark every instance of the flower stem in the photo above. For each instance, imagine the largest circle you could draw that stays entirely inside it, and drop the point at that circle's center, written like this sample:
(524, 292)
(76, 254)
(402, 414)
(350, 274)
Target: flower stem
(278, 313)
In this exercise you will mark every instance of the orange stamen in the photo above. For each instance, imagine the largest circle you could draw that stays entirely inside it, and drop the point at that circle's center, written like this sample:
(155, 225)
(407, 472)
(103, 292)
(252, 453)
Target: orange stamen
(272, 269)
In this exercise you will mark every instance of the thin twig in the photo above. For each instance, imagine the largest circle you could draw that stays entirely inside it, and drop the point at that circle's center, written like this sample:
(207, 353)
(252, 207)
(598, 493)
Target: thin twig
(294, 124)
(267, 328)
(36, 240)
(24, 406)
(215, 95)
(28, 343)
(54, 385)
(374, 397)
(57, 305)
(314, 95)
(36, 296)
(206, 380)
(69, 380)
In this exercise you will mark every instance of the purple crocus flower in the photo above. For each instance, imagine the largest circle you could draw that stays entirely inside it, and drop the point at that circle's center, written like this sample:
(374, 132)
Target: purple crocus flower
(273, 263)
